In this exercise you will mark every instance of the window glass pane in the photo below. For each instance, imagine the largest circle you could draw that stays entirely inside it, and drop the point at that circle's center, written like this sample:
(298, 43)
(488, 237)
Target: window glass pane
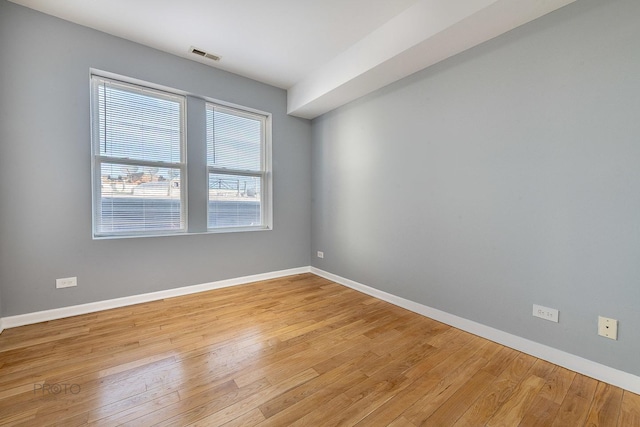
(137, 198)
(233, 141)
(137, 124)
(234, 201)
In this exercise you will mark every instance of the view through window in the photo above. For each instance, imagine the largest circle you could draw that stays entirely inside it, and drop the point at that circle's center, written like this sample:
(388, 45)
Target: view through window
(139, 148)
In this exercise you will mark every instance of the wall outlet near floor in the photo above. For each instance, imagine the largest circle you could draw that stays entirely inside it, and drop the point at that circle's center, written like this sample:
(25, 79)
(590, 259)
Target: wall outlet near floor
(608, 327)
(67, 282)
(320, 254)
(546, 313)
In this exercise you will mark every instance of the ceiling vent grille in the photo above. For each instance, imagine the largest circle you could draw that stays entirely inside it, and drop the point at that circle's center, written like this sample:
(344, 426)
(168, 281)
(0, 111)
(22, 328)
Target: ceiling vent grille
(204, 54)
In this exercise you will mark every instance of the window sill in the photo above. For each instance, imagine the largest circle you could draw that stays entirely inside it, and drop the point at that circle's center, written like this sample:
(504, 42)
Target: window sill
(182, 233)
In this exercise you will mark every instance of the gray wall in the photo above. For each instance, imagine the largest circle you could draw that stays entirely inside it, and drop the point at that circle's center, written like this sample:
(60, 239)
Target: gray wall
(45, 145)
(506, 176)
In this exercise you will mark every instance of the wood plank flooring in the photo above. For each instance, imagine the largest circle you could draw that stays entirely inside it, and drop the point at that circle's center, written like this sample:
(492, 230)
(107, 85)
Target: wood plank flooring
(296, 351)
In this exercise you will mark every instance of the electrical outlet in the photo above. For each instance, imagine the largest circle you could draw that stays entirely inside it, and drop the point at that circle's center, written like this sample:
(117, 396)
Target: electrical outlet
(546, 313)
(320, 254)
(608, 327)
(67, 282)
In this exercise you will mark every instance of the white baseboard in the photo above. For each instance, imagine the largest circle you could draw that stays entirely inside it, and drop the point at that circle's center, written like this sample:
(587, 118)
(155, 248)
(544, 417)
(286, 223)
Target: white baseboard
(575, 363)
(59, 313)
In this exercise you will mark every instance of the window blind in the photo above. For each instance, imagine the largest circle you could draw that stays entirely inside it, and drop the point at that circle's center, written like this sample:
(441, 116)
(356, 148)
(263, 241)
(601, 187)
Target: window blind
(138, 148)
(236, 166)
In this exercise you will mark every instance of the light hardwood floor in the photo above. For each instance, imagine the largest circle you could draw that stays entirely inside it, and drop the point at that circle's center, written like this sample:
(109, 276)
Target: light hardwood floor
(300, 351)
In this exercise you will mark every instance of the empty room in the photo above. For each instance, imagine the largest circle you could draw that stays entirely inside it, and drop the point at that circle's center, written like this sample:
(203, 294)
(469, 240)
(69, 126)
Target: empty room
(320, 213)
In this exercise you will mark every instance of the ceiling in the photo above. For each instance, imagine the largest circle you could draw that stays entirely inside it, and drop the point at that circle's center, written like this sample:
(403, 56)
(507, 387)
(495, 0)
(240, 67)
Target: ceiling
(324, 53)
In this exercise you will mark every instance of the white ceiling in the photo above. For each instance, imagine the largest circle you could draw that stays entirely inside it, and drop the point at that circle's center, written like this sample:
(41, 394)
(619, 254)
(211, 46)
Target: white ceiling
(324, 52)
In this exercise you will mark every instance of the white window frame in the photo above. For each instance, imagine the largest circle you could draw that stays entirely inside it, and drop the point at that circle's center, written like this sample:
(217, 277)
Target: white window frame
(265, 172)
(98, 159)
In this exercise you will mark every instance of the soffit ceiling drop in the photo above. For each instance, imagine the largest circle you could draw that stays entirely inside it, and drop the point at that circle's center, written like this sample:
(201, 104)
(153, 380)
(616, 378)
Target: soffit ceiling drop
(324, 53)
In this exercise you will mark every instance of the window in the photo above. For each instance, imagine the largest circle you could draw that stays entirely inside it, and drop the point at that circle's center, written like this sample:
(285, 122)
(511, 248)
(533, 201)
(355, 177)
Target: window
(237, 166)
(140, 146)
(139, 166)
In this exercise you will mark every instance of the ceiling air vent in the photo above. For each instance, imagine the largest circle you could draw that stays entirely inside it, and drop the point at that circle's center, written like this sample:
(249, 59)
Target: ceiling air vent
(205, 54)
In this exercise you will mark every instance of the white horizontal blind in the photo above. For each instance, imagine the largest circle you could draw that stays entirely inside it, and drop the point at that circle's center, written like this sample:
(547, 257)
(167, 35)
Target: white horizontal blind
(138, 149)
(237, 167)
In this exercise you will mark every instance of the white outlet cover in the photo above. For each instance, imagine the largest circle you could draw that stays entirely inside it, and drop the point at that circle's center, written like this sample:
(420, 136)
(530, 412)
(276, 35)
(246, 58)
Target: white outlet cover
(546, 313)
(66, 282)
(320, 254)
